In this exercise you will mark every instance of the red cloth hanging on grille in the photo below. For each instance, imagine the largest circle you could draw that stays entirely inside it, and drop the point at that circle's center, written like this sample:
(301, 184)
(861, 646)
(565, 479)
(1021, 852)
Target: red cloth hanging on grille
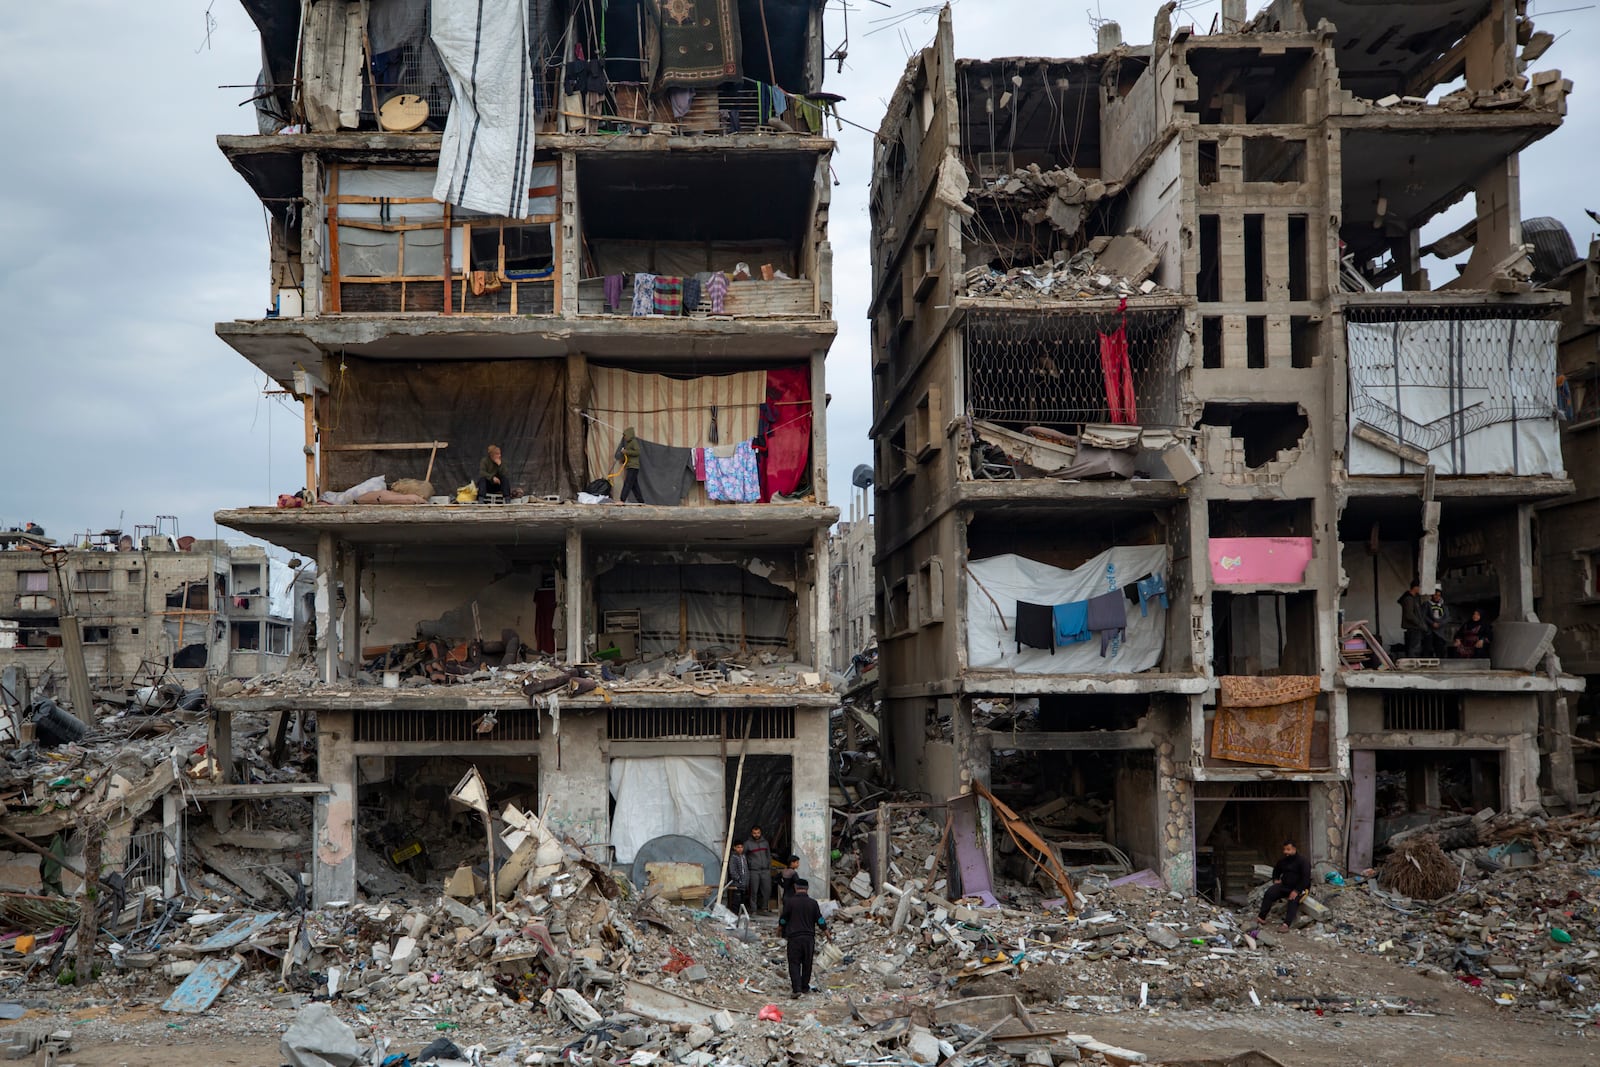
(1118, 372)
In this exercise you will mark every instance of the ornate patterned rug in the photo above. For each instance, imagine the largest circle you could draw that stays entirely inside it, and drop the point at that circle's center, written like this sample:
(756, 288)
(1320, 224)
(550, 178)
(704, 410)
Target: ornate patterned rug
(1266, 720)
(699, 42)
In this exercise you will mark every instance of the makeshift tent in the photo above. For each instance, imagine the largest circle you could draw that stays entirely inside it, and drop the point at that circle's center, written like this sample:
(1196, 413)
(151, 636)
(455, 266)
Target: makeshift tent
(665, 795)
(709, 604)
(1004, 580)
(1477, 395)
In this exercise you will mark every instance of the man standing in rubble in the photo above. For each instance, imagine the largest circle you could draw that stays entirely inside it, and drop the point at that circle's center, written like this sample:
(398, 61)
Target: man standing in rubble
(799, 920)
(1291, 877)
(758, 855)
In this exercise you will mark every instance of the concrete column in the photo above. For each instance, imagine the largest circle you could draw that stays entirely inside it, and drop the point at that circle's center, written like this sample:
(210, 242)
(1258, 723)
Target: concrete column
(576, 593)
(571, 236)
(821, 599)
(1557, 723)
(1326, 841)
(574, 775)
(1175, 808)
(577, 400)
(311, 238)
(172, 841)
(1498, 195)
(333, 857)
(350, 621)
(819, 427)
(810, 833)
(326, 598)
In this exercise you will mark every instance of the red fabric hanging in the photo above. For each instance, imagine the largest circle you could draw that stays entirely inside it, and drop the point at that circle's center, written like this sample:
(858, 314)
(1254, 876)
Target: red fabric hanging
(788, 451)
(1118, 372)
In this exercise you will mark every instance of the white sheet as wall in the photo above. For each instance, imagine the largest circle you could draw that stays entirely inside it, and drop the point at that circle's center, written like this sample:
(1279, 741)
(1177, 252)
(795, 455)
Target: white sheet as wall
(486, 159)
(665, 795)
(1497, 377)
(1011, 578)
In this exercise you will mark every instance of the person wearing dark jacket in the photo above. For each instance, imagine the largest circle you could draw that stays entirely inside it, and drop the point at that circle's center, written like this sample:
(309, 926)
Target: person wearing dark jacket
(738, 878)
(1291, 877)
(492, 475)
(799, 921)
(1411, 621)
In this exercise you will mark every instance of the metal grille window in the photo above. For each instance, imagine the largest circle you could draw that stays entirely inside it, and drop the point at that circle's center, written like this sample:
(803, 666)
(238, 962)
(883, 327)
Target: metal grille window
(516, 724)
(1045, 367)
(699, 724)
(1421, 711)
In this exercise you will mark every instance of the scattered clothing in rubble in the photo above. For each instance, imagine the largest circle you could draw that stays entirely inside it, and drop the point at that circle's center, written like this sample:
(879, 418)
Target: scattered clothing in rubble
(644, 294)
(733, 478)
(1071, 622)
(668, 295)
(1152, 588)
(665, 472)
(613, 287)
(1036, 626)
(1108, 617)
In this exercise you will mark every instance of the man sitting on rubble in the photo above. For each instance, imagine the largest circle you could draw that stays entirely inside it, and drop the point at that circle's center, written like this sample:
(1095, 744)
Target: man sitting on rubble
(492, 475)
(799, 921)
(1291, 877)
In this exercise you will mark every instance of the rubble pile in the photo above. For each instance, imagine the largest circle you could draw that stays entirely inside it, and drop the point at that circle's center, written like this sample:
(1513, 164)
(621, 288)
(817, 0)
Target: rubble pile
(1542, 90)
(1058, 196)
(1108, 266)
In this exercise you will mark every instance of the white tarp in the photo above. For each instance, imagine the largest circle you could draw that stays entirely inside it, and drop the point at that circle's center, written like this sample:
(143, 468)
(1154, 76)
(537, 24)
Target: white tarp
(1478, 395)
(665, 795)
(1008, 579)
(486, 160)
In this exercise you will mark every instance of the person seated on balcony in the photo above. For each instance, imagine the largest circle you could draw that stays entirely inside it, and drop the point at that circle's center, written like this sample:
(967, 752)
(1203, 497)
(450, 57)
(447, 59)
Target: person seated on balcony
(492, 475)
(1472, 639)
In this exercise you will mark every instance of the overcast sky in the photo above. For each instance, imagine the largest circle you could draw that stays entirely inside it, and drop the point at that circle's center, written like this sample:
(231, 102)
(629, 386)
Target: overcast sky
(125, 235)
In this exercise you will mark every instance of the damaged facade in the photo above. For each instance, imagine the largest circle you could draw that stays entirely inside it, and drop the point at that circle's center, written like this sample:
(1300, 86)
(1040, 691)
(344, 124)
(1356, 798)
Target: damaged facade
(147, 604)
(626, 280)
(1158, 456)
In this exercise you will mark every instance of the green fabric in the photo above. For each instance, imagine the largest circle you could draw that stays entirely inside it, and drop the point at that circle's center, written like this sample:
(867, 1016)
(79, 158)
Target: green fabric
(490, 469)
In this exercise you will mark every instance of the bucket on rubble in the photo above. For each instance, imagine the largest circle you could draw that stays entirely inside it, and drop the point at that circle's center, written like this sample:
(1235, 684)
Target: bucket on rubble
(391, 679)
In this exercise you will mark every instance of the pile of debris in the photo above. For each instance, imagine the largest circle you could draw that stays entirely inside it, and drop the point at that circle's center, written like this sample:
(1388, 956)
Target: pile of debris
(1058, 196)
(1108, 266)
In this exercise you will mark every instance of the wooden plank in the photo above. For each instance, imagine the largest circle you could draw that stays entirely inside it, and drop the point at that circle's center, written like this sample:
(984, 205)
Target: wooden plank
(355, 29)
(204, 984)
(397, 446)
(256, 790)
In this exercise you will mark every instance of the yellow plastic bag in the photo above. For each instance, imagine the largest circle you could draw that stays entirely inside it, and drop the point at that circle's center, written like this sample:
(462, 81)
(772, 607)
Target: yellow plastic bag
(467, 494)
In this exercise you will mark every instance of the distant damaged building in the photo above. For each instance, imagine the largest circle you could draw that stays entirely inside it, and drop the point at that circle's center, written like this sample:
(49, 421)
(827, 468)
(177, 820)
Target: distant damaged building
(1171, 409)
(595, 236)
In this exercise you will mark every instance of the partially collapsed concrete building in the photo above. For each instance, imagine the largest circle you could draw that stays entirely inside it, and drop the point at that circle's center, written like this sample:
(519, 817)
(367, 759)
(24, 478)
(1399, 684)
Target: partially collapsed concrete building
(615, 267)
(1171, 408)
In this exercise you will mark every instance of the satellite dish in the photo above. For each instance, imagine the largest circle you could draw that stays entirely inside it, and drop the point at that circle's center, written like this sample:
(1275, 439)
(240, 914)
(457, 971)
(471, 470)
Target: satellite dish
(862, 477)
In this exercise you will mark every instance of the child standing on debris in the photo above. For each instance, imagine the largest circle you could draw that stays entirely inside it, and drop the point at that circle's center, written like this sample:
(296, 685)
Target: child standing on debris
(1291, 877)
(738, 878)
(799, 921)
(758, 855)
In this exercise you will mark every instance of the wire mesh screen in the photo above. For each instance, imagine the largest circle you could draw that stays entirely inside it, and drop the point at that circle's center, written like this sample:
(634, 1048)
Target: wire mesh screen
(1059, 368)
(1431, 378)
(403, 57)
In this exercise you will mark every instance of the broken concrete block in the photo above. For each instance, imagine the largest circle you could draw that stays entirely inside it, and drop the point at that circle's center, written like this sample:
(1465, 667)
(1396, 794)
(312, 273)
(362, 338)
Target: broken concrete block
(463, 884)
(722, 1021)
(19, 872)
(577, 1010)
(861, 884)
(698, 1035)
(1128, 258)
(405, 950)
(1314, 907)
(922, 1046)
(1160, 935)
(695, 973)
(319, 1038)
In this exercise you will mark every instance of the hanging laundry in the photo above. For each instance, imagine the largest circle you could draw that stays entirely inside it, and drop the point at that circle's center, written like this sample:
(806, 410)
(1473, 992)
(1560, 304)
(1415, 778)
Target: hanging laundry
(1036, 626)
(664, 473)
(669, 295)
(733, 478)
(1151, 588)
(613, 286)
(681, 101)
(1118, 372)
(691, 295)
(644, 294)
(1071, 622)
(699, 464)
(786, 427)
(713, 434)
(776, 99)
(717, 290)
(1108, 617)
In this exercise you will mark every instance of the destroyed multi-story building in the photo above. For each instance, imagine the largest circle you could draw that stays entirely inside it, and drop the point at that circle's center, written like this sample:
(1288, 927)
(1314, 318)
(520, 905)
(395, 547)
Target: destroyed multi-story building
(149, 605)
(850, 584)
(595, 235)
(1170, 413)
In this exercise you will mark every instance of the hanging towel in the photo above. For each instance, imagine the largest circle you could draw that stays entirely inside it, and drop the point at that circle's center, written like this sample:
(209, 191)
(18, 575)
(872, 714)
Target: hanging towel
(699, 464)
(1118, 373)
(733, 479)
(664, 473)
(644, 294)
(717, 290)
(1036, 626)
(669, 295)
(1072, 622)
(1108, 617)
(691, 295)
(613, 291)
(1151, 588)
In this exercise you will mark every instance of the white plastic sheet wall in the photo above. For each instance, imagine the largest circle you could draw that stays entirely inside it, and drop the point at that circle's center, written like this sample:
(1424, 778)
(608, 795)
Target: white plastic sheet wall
(665, 795)
(992, 634)
(1478, 395)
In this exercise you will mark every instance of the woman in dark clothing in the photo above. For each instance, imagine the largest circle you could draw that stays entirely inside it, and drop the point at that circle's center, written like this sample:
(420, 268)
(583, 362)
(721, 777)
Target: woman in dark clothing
(1472, 639)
